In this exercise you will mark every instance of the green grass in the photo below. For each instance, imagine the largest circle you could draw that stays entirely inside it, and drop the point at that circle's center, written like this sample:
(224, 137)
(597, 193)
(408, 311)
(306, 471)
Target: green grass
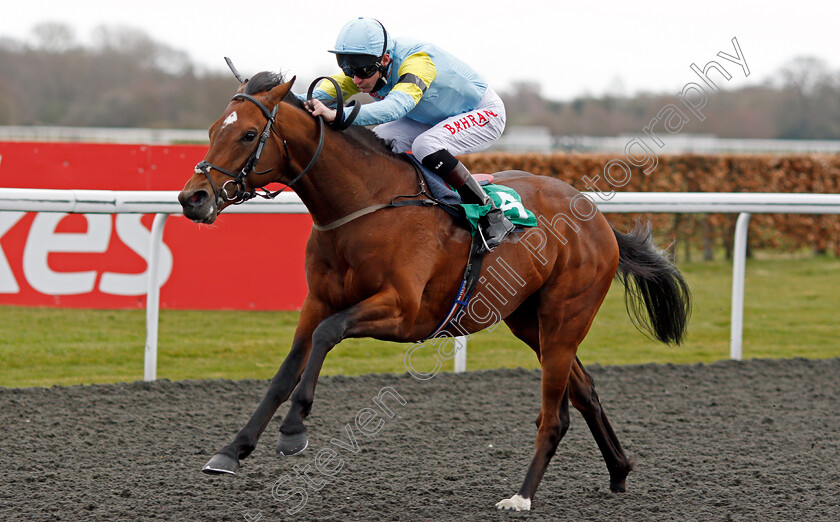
(792, 309)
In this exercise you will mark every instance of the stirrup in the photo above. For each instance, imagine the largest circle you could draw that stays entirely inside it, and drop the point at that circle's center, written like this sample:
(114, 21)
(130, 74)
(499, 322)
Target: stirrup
(504, 222)
(486, 248)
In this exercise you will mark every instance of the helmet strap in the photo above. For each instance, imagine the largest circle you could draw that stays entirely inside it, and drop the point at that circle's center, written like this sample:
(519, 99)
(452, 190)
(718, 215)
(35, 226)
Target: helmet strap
(383, 73)
(383, 69)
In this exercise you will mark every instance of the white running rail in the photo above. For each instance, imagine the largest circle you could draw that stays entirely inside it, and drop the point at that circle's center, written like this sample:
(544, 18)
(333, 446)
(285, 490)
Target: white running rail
(164, 203)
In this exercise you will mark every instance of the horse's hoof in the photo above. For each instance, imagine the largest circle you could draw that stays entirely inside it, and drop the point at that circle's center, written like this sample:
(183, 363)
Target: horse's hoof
(220, 464)
(515, 503)
(292, 444)
(618, 478)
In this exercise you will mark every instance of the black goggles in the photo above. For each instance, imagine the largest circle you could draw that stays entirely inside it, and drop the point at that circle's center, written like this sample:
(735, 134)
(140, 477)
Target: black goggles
(362, 72)
(362, 66)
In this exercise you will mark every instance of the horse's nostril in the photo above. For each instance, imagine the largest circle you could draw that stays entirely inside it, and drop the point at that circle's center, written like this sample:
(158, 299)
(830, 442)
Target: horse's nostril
(193, 199)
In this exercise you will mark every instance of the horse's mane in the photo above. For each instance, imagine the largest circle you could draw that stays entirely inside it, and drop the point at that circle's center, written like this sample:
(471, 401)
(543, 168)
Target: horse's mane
(362, 136)
(262, 82)
(368, 139)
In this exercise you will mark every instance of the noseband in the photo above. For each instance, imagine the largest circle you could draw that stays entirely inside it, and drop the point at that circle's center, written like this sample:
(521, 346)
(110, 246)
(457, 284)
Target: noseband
(242, 192)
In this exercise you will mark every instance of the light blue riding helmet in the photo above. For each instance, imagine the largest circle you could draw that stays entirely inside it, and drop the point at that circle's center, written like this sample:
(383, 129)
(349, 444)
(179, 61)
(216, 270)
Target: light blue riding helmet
(362, 36)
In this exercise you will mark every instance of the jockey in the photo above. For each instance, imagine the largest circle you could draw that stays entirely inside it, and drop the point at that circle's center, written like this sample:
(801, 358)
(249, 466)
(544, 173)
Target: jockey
(427, 101)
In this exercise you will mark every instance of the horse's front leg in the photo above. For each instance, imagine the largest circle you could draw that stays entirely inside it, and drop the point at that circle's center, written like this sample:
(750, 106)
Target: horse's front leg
(378, 315)
(281, 386)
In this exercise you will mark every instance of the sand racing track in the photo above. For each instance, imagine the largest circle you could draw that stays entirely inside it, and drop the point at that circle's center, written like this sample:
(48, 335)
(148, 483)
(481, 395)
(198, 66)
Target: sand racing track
(753, 440)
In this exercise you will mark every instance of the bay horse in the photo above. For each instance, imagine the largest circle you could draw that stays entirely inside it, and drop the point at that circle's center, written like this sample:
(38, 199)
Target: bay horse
(391, 274)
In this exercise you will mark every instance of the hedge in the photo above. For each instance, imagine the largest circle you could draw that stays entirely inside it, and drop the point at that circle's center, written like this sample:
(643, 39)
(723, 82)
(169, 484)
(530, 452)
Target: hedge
(702, 233)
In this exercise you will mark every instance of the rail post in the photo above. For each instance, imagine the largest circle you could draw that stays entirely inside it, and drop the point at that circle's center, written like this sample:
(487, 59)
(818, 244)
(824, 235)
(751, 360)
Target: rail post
(153, 298)
(460, 355)
(739, 266)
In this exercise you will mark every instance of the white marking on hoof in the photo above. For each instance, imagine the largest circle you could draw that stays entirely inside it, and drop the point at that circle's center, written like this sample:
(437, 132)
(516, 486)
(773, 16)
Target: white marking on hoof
(515, 503)
(211, 469)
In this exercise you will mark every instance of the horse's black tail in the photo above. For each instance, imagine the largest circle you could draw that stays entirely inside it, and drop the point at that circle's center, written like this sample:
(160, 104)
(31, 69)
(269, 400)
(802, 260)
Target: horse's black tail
(651, 279)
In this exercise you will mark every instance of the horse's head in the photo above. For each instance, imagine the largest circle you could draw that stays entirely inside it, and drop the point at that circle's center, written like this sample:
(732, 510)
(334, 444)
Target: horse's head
(243, 147)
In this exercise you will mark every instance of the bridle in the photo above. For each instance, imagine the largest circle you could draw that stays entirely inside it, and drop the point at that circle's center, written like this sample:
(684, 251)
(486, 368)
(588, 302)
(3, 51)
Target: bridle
(340, 123)
(242, 193)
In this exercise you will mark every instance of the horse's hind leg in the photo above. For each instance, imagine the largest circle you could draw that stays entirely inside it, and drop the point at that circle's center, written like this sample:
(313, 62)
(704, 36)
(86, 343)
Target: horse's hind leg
(553, 422)
(586, 401)
(524, 325)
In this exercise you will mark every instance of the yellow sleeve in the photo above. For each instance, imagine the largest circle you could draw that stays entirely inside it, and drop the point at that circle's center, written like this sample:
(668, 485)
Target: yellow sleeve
(345, 82)
(416, 74)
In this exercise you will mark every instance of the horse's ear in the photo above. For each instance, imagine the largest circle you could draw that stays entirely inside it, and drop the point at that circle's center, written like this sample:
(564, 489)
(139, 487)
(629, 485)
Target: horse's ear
(280, 91)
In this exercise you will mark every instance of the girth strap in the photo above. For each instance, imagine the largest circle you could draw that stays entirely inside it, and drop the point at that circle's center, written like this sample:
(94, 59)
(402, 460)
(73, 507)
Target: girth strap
(468, 285)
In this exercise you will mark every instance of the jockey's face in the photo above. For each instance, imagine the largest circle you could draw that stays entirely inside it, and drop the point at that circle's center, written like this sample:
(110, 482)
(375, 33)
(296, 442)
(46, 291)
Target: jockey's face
(366, 85)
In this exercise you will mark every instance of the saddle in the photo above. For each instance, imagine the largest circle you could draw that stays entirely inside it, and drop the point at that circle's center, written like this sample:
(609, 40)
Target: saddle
(438, 188)
(468, 215)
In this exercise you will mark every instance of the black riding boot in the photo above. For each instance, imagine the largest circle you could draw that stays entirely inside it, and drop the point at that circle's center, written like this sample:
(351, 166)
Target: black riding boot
(493, 226)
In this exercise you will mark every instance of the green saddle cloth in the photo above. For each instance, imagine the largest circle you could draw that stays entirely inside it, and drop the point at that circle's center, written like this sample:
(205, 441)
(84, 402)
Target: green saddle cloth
(506, 199)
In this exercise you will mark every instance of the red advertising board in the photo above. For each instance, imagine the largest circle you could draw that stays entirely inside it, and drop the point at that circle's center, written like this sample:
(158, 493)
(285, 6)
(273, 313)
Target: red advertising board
(242, 261)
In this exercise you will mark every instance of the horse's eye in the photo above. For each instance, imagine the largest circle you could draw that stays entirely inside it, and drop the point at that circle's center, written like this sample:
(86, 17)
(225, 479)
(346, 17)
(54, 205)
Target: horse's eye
(249, 136)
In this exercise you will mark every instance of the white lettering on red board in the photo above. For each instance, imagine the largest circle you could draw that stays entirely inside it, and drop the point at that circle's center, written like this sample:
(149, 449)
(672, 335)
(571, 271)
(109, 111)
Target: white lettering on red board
(8, 283)
(44, 240)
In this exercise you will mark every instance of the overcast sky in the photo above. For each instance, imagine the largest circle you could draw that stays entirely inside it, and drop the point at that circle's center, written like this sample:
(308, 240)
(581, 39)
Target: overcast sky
(569, 48)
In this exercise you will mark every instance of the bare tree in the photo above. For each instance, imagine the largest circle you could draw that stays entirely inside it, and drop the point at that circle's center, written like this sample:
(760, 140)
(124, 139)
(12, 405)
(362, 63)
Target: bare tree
(54, 37)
